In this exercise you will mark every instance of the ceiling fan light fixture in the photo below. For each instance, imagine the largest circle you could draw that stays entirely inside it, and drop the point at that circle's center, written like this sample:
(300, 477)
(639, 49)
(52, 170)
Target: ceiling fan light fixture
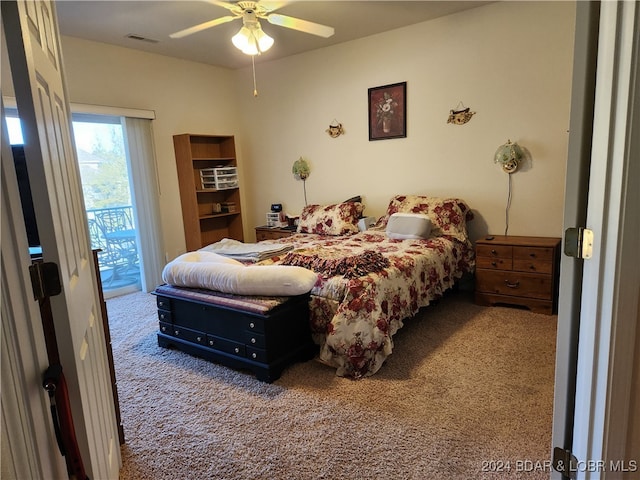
(265, 42)
(252, 40)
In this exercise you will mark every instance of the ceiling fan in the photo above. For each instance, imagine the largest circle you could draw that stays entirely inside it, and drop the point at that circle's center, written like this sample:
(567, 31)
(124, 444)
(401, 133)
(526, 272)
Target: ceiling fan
(251, 39)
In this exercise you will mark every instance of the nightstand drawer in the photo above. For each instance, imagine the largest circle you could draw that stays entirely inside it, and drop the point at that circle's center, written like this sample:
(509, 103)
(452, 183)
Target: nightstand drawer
(272, 233)
(265, 235)
(495, 251)
(529, 285)
(494, 263)
(533, 259)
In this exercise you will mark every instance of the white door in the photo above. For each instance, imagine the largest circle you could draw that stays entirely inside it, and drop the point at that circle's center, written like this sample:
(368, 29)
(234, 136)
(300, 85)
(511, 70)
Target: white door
(575, 214)
(33, 46)
(596, 431)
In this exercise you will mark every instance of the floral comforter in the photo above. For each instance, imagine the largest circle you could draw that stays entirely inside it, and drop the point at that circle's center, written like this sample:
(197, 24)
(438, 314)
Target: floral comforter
(368, 284)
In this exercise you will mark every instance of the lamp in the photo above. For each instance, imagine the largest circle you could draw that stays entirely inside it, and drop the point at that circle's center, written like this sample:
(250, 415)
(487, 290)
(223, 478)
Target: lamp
(251, 40)
(301, 170)
(508, 156)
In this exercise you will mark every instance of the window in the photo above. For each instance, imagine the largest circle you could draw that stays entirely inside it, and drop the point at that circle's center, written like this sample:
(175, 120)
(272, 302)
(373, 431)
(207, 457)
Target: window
(119, 179)
(108, 202)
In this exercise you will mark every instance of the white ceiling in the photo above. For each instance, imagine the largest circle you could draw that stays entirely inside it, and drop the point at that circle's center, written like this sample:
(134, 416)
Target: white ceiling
(111, 21)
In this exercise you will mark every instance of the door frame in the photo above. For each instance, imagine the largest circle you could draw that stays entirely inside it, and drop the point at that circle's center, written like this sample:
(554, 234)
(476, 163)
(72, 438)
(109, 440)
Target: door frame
(575, 214)
(592, 421)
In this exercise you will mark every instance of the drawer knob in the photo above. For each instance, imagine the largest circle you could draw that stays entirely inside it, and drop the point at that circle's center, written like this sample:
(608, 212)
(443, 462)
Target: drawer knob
(176, 332)
(237, 350)
(161, 304)
(211, 342)
(199, 339)
(253, 340)
(532, 255)
(493, 252)
(252, 325)
(494, 264)
(515, 284)
(254, 355)
(162, 316)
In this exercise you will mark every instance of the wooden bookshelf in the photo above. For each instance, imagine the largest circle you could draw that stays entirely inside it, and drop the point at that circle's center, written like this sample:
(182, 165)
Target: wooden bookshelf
(208, 214)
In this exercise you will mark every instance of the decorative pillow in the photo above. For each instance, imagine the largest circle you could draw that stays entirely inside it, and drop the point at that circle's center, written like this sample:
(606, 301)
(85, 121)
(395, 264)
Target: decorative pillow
(408, 225)
(336, 219)
(448, 216)
(233, 277)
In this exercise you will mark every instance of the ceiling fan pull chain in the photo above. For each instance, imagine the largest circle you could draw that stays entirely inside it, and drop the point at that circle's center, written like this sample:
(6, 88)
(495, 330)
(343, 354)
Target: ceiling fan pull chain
(253, 65)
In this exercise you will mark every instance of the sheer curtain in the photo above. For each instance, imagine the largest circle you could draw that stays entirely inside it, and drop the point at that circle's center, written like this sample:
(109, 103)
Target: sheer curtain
(145, 191)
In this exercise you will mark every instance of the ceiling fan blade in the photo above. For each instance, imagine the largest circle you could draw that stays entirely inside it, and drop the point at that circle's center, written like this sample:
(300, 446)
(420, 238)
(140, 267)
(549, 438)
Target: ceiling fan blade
(203, 26)
(227, 5)
(301, 25)
(271, 5)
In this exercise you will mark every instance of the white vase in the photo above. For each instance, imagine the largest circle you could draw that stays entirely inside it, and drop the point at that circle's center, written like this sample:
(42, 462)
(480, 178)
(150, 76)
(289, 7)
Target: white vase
(386, 124)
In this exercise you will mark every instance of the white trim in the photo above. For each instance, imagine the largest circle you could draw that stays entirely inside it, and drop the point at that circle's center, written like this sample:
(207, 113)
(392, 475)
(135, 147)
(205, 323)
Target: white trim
(575, 208)
(116, 111)
(10, 102)
(627, 274)
(605, 326)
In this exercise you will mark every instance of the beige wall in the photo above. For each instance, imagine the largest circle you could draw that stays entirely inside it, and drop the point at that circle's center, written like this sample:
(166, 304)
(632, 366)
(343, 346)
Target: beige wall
(187, 97)
(510, 62)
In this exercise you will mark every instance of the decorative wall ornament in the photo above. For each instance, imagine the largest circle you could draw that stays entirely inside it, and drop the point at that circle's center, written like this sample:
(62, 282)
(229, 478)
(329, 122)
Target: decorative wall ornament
(460, 115)
(335, 129)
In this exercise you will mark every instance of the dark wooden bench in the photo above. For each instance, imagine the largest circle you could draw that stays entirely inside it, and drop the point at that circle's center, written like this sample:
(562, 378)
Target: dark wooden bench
(261, 334)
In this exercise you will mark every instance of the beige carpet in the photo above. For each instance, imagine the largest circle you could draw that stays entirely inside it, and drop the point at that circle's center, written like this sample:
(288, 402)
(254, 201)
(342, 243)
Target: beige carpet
(466, 386)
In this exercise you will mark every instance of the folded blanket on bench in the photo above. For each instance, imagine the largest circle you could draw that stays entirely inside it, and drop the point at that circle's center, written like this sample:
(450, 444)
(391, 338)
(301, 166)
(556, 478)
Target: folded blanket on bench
(209, 270)
(252, 252)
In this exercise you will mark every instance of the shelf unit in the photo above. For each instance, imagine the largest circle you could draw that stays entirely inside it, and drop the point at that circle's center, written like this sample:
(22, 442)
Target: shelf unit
(209, 214)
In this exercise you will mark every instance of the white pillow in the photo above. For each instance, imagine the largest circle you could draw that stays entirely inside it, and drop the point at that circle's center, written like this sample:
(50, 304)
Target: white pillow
(401, 226)
(233, 277)
(206, 256)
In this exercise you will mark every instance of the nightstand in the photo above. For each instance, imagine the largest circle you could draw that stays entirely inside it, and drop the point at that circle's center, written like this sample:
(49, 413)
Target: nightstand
(520, 271)
(273, 233)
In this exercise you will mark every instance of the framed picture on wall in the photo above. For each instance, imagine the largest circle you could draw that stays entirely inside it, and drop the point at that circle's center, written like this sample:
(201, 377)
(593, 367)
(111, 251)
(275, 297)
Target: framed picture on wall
(388, 111)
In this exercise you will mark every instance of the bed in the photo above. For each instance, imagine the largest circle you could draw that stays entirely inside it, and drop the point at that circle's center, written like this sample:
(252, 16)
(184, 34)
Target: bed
(369, 282)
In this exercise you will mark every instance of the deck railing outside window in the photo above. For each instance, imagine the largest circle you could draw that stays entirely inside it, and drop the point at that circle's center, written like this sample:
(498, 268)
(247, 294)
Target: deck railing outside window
(113, 231)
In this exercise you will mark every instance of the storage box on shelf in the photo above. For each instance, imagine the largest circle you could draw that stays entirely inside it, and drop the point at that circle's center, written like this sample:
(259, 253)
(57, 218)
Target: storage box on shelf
(514, 270)
(221, 178)
(209, 188)
(274, 219)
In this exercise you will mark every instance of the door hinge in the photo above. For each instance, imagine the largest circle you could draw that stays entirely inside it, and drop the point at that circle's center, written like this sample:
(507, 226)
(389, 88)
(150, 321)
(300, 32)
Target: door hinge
(578, 242)
(565, 462)
(45, 280)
